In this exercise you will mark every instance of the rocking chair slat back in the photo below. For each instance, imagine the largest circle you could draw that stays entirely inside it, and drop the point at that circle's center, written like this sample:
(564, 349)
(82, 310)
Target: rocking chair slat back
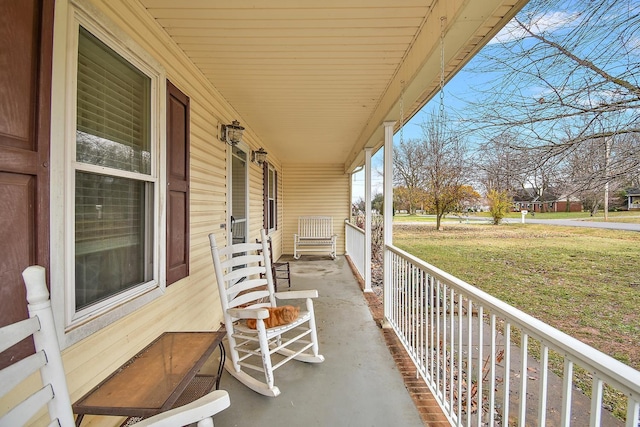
(245, 282)
(247, 285)
(240, 260)
(240, 272)
(249, 300)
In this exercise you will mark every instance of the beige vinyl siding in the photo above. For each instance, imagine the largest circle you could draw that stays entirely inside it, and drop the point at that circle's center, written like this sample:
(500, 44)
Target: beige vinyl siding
(192, 303)
(314, 190)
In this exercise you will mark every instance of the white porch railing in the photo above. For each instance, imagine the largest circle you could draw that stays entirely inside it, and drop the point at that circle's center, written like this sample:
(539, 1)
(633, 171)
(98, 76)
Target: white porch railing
(457, 334)
(354, 244)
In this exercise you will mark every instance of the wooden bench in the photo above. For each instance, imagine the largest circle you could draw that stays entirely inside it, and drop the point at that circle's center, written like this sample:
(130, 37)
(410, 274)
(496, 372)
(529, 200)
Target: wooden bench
(315, 234)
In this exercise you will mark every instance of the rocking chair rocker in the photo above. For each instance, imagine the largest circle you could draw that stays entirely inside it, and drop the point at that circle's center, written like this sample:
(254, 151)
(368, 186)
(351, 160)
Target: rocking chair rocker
(244, 294)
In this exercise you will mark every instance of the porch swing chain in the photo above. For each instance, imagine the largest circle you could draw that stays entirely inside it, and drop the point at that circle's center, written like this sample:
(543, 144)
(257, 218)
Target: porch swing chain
(402, 112)
(443, 21)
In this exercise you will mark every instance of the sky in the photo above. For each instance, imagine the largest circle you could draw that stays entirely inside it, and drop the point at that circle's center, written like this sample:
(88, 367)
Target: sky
(456, 88)
(460, 88)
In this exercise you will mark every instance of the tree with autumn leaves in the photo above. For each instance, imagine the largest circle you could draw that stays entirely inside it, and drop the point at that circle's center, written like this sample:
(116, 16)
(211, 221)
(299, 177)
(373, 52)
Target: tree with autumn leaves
(432, 173)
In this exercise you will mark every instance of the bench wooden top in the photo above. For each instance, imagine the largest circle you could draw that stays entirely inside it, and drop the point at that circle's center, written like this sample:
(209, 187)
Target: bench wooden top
(152, 380)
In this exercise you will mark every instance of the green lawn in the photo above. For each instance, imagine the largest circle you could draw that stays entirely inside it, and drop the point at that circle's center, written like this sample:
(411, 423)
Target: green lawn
(622, 216)
(583, 281)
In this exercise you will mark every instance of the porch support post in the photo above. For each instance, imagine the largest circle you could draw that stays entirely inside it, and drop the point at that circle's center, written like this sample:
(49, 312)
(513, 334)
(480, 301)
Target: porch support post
(388, 215)
(367, 220)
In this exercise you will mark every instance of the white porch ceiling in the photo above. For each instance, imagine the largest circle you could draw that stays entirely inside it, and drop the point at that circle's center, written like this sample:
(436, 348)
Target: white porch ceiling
(314, 80)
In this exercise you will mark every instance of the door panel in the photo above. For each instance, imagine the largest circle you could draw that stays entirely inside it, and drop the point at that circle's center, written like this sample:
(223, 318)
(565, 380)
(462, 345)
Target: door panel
(26, 28)
(19, 60)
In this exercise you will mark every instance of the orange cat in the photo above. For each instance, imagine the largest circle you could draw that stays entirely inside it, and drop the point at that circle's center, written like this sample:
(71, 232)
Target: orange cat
(277, 316)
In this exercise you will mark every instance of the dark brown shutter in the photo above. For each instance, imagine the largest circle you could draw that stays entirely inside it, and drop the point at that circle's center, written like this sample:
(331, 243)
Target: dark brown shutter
(26, 31)
(177, 184)
(265, 196)
(275, 198)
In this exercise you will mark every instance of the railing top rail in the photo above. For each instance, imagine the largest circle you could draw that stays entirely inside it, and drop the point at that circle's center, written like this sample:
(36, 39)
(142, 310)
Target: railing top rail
(624, 376)
(354, 227)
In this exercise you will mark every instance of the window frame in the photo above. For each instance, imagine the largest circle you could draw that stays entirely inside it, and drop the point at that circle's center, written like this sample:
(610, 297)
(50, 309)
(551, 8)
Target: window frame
(78, 324)
(267, 187)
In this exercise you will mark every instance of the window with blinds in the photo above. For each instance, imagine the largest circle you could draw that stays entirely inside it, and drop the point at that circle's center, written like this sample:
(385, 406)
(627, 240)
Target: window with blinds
(271, 210)
(113, 185)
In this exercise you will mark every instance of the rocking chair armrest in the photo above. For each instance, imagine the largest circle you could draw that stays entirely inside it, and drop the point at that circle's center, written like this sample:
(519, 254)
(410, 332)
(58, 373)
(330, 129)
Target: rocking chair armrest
(207, 406)
(311, 293)
(248, 313)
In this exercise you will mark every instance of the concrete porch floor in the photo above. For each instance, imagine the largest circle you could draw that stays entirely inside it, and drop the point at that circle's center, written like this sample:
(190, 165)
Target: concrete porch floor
(358, 384)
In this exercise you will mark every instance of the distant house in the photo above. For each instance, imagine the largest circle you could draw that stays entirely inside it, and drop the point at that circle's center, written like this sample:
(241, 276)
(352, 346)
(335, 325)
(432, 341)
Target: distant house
(528, 199)
(633, 199)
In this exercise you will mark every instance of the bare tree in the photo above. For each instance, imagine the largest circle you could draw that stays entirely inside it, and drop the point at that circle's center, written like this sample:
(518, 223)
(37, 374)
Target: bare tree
(497, 164)
(409, 171)
(600, 160)
(564, 72)
(445, 157)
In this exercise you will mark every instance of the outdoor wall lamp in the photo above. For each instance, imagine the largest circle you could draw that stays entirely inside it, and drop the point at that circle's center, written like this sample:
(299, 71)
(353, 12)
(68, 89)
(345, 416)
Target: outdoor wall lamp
(231, 134)
(259, 156)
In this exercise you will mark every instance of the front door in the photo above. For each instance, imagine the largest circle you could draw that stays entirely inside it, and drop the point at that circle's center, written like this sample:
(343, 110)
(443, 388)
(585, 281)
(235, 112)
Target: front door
(26, 31)
(238, 196)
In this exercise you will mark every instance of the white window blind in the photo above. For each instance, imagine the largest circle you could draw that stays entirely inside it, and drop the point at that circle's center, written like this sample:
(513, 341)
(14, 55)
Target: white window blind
(113, 214)
(113, 109)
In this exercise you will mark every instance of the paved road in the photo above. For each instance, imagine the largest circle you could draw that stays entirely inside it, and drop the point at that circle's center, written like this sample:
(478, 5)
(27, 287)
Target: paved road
(577, 223)
(564, 222)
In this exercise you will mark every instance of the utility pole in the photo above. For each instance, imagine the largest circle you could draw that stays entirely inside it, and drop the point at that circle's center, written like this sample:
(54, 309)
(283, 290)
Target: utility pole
(607, 152)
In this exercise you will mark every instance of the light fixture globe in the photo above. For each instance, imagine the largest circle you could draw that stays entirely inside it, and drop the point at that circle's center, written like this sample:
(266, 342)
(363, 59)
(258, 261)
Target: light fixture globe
(231, 134)
(259, 156)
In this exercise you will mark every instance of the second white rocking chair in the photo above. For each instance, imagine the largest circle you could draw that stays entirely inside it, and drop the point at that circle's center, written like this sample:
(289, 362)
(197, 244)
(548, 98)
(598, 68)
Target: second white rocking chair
(245, 295)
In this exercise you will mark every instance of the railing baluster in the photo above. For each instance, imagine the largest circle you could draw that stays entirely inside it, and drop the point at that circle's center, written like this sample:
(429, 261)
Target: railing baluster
(425, 320)
(432, 331)
(444, 341)
(480, 335)
(469, 359)
(452, 346)
(405, 308)
(390, 291)
(544, 379)
(567, 385)
(507, 372)
(524, 352)
(405, 303)
(420, 343)
(492, 379)
(596, 401)
(633, 412)
(401, 307)
(416, 309)
(460, 323)
(438, 305)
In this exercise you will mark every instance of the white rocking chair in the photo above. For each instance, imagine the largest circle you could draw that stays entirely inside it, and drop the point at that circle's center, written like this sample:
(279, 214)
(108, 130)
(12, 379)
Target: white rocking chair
(54, 393)
(244, 295)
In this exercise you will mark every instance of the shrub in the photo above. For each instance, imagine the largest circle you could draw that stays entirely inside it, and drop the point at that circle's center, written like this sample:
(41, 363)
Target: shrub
(499, 204)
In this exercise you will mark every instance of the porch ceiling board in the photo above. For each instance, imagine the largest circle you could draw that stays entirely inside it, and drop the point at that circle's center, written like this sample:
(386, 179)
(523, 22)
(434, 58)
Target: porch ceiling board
(314, 80)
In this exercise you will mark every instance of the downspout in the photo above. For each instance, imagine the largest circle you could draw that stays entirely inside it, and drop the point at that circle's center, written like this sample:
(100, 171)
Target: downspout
(388, 217)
